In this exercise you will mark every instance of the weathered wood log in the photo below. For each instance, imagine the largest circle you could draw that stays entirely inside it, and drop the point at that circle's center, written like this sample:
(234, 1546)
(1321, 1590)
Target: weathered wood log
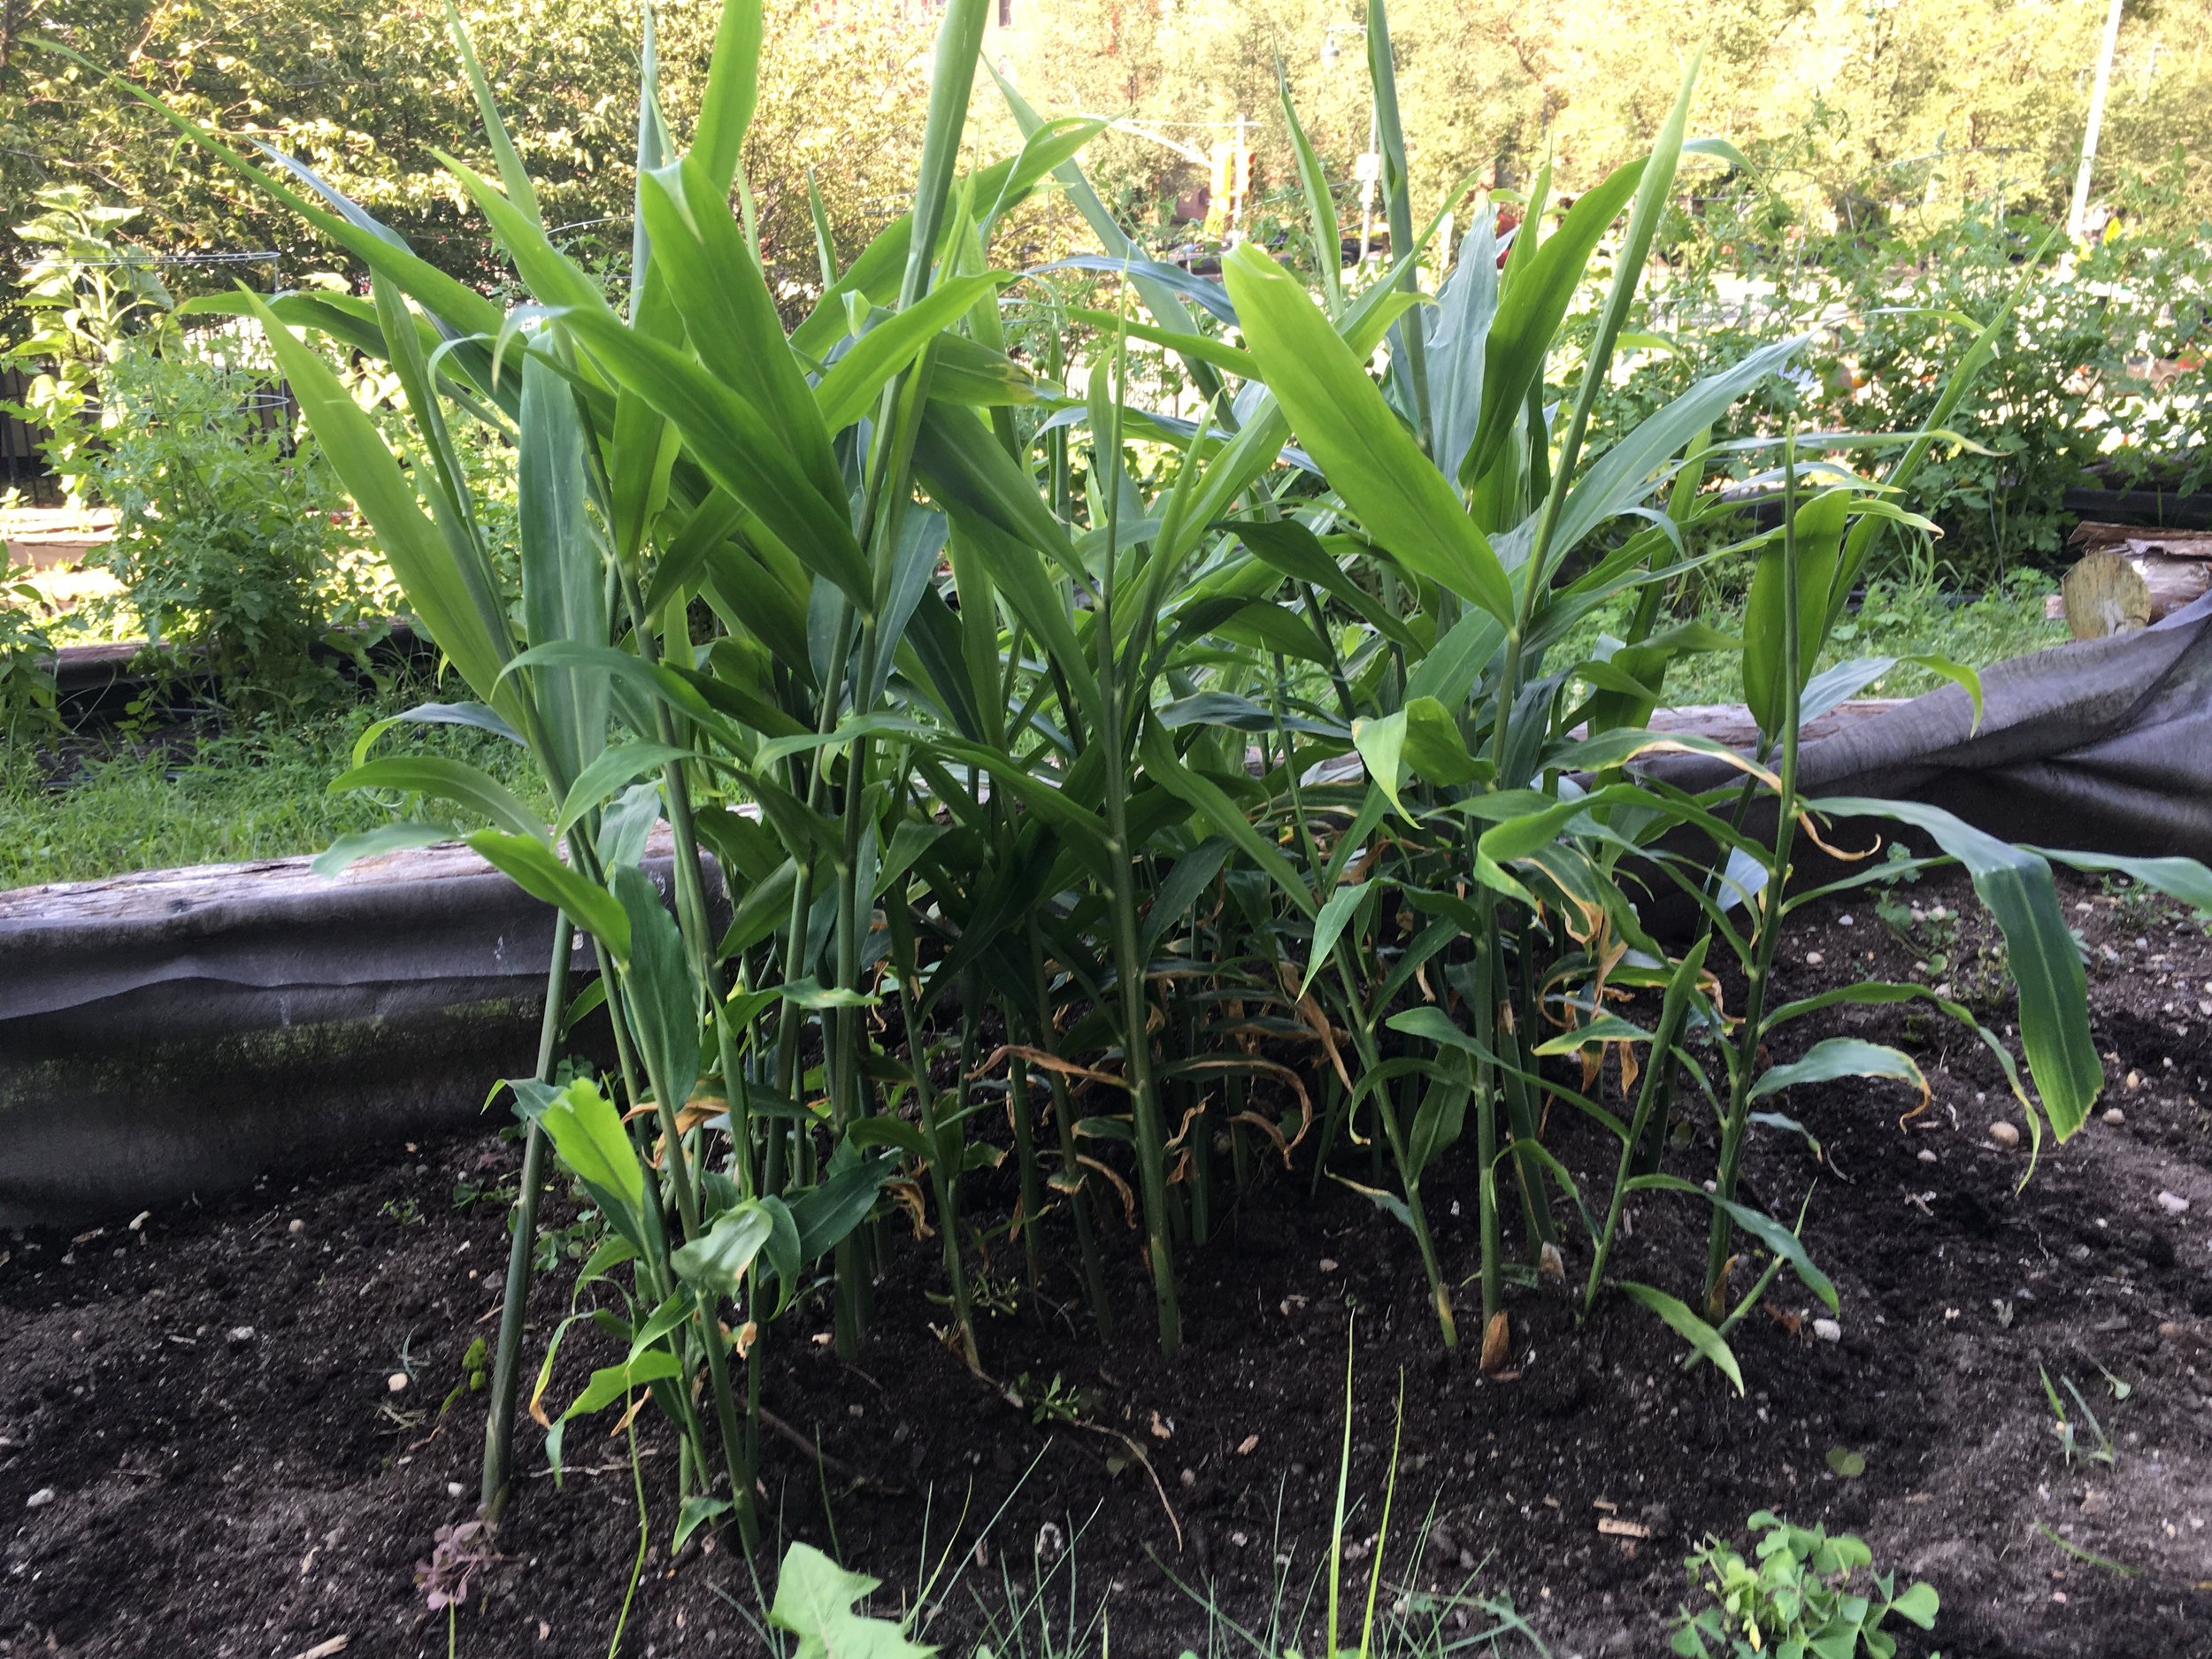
(2134, 541)
(2111, 589)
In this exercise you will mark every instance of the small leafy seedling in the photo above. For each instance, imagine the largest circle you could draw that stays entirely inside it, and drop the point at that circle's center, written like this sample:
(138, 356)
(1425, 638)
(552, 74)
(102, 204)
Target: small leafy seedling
(475, 1373)
(1049, 1402)
(1794, 1598)
(2069, 1435)
(468, 1194)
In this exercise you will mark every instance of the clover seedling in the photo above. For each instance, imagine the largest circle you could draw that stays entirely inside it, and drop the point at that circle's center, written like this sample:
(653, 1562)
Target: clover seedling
(1794, 1598)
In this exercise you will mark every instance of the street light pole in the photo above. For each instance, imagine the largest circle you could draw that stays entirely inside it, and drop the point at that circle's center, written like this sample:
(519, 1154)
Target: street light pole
(2077, 213)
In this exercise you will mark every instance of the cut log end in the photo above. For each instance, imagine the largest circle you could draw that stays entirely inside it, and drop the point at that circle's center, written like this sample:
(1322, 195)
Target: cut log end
(2110, 591)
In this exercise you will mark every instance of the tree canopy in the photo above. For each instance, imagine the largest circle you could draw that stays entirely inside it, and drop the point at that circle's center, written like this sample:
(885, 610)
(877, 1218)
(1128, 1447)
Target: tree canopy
(1895, 101)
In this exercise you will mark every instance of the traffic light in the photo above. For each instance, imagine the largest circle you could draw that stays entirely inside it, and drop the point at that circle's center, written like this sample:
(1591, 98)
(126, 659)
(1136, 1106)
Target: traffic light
(1219, 184)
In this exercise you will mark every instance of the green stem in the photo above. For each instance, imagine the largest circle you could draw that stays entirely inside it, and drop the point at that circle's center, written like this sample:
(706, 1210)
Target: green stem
(1673, 1012)
(1128, 955)
(1021, 1110)
(1076, 1182)
(499, 1434)
(843, 1054)
(691, 898)
(1409, 1178)
(946, 1144)
(1753, 1029)
(1485, 999)
(644, 1537)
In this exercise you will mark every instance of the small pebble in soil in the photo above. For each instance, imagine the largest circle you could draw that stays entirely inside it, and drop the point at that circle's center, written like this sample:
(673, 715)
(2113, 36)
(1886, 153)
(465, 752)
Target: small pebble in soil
(1844, 920)
(2115, 1116)
(1813, 959)
(298, 1227)
(1926, 1157)
(240, 1334)
(1828, 1330)
(40, 1499)
(2005, 1135)
(396, 1382)
(454, 1489)
(2173, 1203)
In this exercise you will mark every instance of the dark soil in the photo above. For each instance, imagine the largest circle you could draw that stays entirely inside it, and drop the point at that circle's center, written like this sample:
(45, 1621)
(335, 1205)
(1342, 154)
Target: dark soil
(205, 1396)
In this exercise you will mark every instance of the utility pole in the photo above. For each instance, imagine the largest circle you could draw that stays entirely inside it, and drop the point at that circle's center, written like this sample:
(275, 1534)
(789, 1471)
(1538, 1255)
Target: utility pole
(2077, 214)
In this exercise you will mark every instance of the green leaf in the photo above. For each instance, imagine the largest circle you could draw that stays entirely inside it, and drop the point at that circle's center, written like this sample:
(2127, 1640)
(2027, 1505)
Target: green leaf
(1222, 815)
(1630, 469)
(608, 775)
(1294, 550)
(1160, 299)
(827, 1212)
(1689, 1327)
(1328, 243)
(1370, 458)
(679, 1307)
(1819, 541)
(563, 582)
(817, 1602)
(696, 1512)
(716, 1261)
(849, 389)
(1764, 1227)
(738, 446)
(663, 1003)
(726, 109)
(348, 850)
(1848, 1464)
(411, 544)
(1329, 926)
(445, 779)
(1603, 1029)
(530, 864)
(1435, 752)
(1442, 1115)
(1918, 1605)
(731, 317)
(1833, 1057)
(2046, 968)
(588, 1134)
(511, 173)
(1539, 286)
(1381, 743)
(2181, 879)
(611, 1383)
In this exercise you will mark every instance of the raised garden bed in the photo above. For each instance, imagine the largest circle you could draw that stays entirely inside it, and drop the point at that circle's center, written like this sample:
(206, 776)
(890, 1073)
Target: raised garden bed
(204, 1393)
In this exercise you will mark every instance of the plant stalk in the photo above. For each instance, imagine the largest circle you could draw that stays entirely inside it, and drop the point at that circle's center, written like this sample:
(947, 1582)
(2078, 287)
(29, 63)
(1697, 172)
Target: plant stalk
(1753, 1029)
